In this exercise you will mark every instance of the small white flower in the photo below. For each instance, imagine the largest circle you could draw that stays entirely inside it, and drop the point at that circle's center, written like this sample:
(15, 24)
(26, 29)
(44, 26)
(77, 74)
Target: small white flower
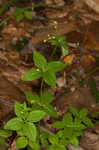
(45, 41)
(55, 22)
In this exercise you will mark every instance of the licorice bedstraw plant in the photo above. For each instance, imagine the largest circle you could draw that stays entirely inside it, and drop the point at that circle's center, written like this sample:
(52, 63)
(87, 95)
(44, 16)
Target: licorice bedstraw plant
(26, 124)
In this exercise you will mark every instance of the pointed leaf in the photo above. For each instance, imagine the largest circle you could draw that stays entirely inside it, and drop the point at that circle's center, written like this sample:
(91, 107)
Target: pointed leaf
(14, 124)
(88, 122)
(57, 147)
(28, 15)
(83, 113)
(74, 111)
(29, 129)
(34, 145)
(50, 110)
(56, 66)
(74, 141)
(67, 119)
(18, 108)
(39, 61)
(21, 142)
(53, 139)
(31, 97)
(50, 78)
(32, 75)
(58, 124)
(36, 115)
(46, 97)
(5, 133)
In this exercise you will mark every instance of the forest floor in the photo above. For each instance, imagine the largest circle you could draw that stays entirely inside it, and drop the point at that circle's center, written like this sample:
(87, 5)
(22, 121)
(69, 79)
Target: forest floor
(80, 24)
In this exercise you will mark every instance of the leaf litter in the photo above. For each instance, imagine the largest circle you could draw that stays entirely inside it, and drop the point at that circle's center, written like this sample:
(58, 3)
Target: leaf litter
(72, 83)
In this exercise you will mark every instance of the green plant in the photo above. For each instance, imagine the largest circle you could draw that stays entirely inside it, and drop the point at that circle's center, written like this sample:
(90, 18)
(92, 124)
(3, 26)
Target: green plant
(24, 125)
(70, 128)
(3, 135)
(27, 120)
(41, 103)
(44, 70)
(58, 41)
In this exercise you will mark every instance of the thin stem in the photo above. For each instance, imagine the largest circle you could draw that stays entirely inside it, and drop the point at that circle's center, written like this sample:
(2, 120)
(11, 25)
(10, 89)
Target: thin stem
(54, 51)
(41, 86)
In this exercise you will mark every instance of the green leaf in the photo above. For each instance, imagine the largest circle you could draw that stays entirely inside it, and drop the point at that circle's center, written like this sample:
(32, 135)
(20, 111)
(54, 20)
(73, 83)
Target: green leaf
(35, 116)
(61, 39)
(2, 143)
(55, 42)
(44, 141)
(60, 133)
(34, 145)
(5, 134)
(74, 111)
(67, 119)
(21, 142)
(50, 78)
(56, 66)
(57, 147)
(78, 126)
(74, 141)
(58, 124)
(68, 132)
(65, 50)
(18, 108)
(40, 61)
(19, 17)
(31, 97)
(83, 113)
(28, 14)
(14, 124)
(32, 75)
(20, 133)
(50, 110)
(53, 139)
(88, 122)
(46, 98)
(29, 130)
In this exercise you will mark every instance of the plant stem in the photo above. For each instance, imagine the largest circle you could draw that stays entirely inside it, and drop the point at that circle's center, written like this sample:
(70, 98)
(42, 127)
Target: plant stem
(54, 51)
(41, 86)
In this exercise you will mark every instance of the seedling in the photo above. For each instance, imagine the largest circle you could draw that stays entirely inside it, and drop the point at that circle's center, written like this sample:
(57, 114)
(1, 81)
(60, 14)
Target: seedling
(70, 128)
(24, 124)
(27, 120)
(44, 70)
(58, 42)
